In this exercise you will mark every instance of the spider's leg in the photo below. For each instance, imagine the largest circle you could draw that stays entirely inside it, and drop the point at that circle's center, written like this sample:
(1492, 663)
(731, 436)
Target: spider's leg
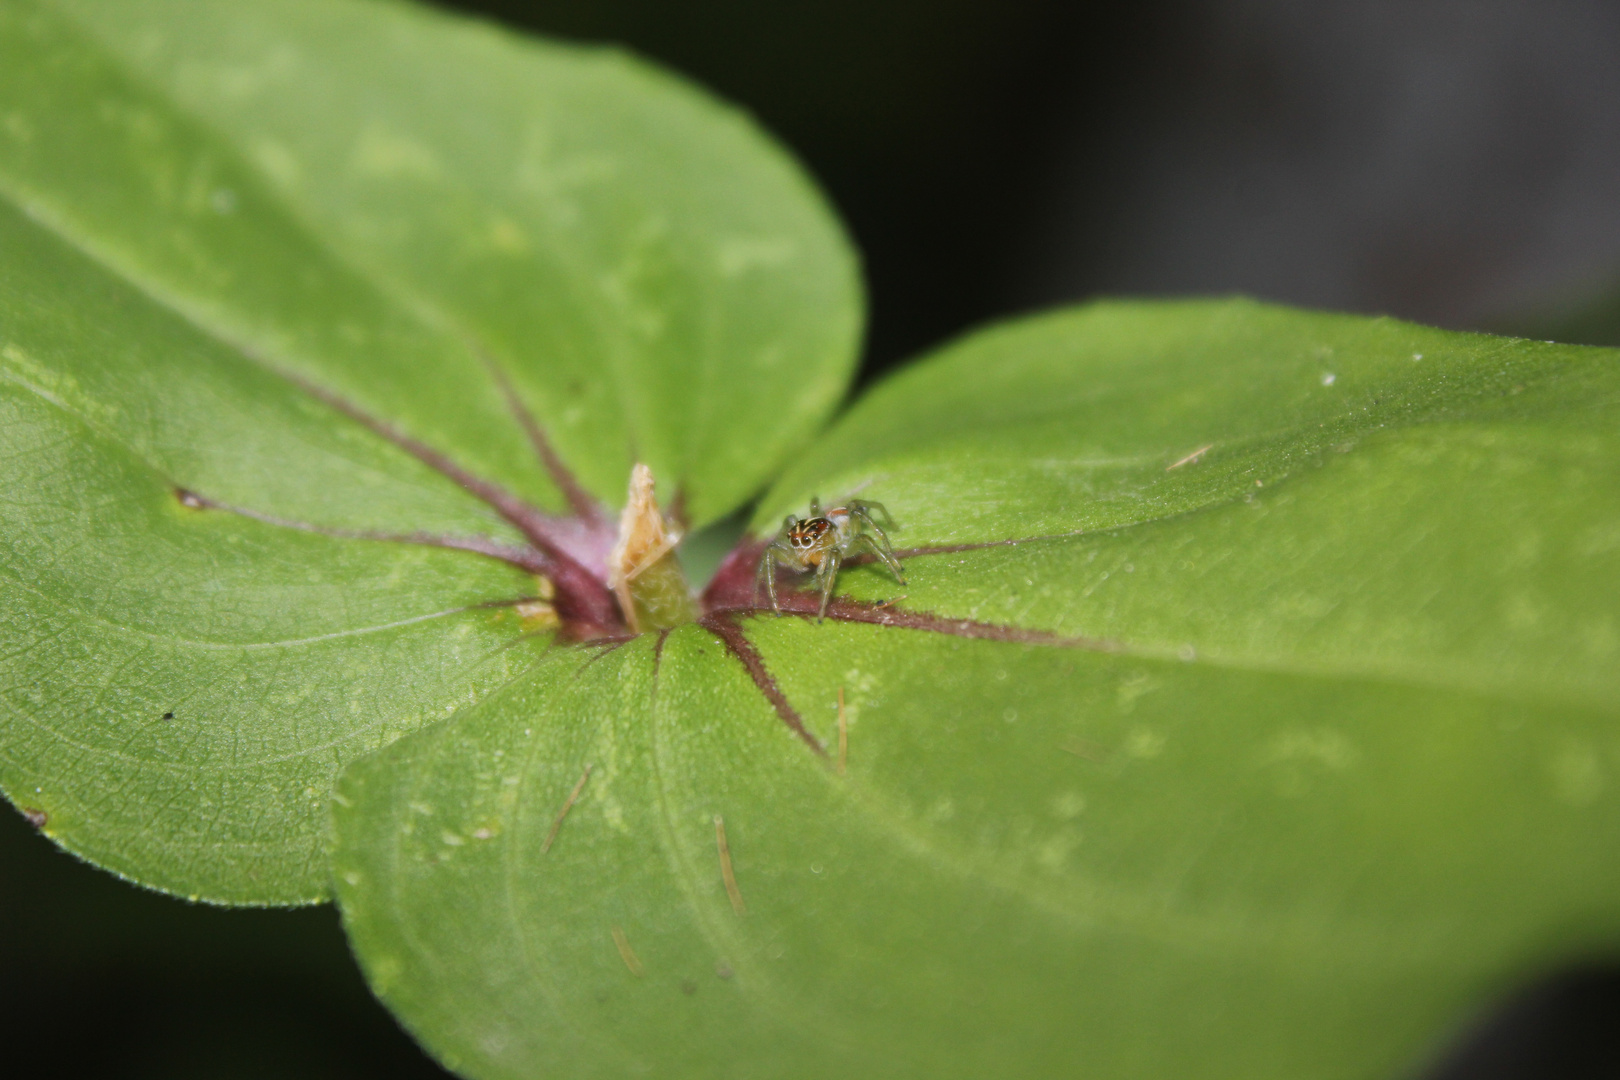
(862, 512)
(883, 551)
(768, 560)
(877, 539)
(767, 567)
(864, 507)
(828, 574)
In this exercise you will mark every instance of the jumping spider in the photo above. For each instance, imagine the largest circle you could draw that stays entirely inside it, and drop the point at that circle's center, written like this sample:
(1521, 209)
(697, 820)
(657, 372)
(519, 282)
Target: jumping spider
(820, 543)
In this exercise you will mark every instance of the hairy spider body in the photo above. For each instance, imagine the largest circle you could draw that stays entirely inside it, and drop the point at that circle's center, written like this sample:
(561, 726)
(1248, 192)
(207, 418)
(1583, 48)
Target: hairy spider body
(820, 543)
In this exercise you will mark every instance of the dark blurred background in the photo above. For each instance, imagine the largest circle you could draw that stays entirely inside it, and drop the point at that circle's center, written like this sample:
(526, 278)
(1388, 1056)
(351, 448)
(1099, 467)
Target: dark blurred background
(1456, 162)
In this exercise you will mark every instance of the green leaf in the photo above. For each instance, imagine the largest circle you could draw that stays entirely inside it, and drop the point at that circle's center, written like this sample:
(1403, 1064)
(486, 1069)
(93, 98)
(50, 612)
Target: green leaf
(217, 222)
(1250, 706)
(1372, 497)
(1274, 760)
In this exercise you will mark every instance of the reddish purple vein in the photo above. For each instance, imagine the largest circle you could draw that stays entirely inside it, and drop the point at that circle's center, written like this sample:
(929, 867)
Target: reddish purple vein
(585, 605)
(581, 599)
(579, 500)
(524, 558)
(737, 643)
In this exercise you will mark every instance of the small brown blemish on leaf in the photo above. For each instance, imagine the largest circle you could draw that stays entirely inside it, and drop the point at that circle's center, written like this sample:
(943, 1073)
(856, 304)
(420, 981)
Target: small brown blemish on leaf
(722, 970)
(557, 824)
(168, 716)
(627, 954)
(843, 733)
(1085, 748)
(36, 817)
(1191, 458)
(688, 987)
(191, 499)
(730, 878)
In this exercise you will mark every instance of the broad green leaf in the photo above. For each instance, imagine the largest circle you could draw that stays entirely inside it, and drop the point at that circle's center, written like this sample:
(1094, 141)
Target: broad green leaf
(221, 225)
(659, 280)
(1249, 707)
(1278, 762)
(1373, 497)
